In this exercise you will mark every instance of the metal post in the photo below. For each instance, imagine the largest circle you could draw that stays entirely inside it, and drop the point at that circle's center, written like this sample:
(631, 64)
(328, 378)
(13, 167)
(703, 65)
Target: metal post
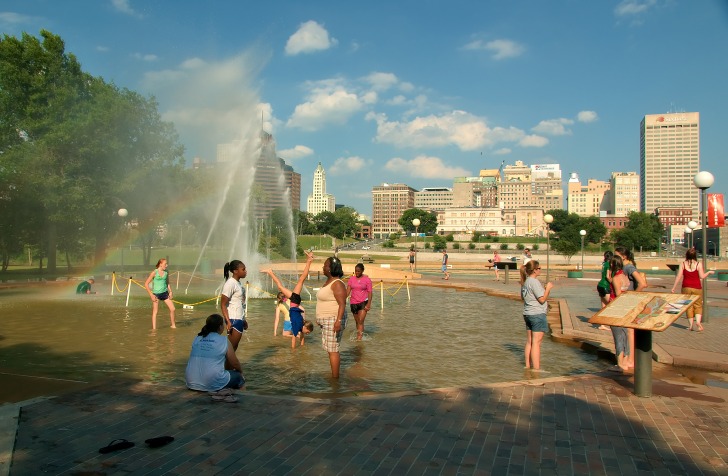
(548, 251)
(704, 221)
(643, 363)
(582, 253)
(416, 228)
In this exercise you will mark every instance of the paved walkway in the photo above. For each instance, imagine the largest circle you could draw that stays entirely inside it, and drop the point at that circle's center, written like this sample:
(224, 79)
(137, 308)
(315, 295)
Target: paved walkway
(590, 424)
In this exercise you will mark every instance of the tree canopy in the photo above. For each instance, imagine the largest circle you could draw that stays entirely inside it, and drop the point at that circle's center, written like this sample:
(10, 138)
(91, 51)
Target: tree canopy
(428, 221)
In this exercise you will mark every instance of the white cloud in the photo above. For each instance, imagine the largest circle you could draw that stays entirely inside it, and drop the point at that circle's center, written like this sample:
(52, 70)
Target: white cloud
(347, 165)
(324, 107)
(103, 49)
(533, 141)
(12, 18)
(633, 7)
(458, 128)
(309, 38)
(210, 102)
(381, 81)
(124, 7)
(297, 152)
(148, 57)
(502, 151)
(554, 127)
(501, 49)
(425, 167)
(587, 116)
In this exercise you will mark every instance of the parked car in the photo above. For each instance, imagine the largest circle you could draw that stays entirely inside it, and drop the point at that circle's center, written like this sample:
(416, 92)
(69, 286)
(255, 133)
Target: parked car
(366, 247)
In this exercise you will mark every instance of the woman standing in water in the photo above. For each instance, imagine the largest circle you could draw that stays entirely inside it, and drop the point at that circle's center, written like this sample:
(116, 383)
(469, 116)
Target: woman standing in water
(232, 301)
(160, 290)
(535, 307)
(691, 273)
(331, 311)
(359, 288)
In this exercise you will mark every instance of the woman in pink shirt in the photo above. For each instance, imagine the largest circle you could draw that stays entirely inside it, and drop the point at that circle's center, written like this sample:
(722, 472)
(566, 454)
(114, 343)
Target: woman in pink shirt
(359, 290)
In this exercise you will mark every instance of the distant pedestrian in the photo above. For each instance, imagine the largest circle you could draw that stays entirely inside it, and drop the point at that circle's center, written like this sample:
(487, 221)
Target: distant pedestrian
(535, 307)
(444, 264)
(232, 301)
(412, 257)
(526, 256)
(160, 290)
(691, 273)
(496, 259)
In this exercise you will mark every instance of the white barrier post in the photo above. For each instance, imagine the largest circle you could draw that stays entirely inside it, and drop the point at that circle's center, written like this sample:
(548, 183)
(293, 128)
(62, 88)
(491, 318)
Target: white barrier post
(113, 281)
(128, 291)
(247, 296)
(178, 282)
(406, 283)
(381, 294)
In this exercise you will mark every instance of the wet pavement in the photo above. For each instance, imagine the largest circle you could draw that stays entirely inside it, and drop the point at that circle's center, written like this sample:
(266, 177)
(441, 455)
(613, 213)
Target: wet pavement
(544, 425)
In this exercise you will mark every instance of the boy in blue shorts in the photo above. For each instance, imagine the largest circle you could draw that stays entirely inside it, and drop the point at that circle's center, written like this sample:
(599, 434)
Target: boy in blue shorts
(299, 326)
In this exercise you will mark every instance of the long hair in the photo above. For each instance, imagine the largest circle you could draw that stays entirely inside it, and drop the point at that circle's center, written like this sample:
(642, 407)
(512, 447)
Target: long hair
(691, 255)
(628, 255)
(159, 262)
(335, 266)
(212, 325)
(608, 256)
(232, 266)
(615, 264)
(528, 269)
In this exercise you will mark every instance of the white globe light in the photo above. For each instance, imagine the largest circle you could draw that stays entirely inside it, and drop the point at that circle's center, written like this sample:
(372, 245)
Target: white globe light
(688, 230)
(548, 218)
(703, 180)
(123, 212)
(416, 222)
(692, 224)
(582, 232)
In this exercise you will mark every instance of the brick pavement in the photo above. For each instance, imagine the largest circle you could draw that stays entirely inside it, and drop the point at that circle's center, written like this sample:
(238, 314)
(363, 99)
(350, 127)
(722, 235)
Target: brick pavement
(590, 424)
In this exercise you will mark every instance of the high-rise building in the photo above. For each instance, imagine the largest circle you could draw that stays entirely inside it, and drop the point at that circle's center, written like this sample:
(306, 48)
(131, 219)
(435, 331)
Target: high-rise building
(624, 196)
(389, 201)
(433, 199)
(669, 159)
(589, 200)
(320, 201)
(526, 186)
(480, 191)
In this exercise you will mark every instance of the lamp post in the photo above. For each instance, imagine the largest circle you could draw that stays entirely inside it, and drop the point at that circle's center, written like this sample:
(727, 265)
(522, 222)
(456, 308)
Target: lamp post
(704, 180)
(583, 234)
(416, 222)
(688, 233)
(692, 225)
(548, 219)
(123, 213)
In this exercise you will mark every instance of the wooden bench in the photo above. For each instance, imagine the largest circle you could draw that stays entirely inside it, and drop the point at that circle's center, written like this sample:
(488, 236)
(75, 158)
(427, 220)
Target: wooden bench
(366, 259)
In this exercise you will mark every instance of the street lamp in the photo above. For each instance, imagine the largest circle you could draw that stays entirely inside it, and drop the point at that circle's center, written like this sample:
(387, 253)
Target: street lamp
(583, 234)
(416, 222)
(704, 180)
(688, 233)
(692, 224)
(548, 219)
(123, 213)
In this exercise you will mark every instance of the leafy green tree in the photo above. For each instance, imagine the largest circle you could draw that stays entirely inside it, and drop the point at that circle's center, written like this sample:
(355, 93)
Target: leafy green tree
(642, 231)
(566, 248)
(428, 221)
(346, 222)
(438, 242)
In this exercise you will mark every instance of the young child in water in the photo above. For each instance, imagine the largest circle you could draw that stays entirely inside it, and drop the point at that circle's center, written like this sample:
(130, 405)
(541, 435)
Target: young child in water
(299, 326)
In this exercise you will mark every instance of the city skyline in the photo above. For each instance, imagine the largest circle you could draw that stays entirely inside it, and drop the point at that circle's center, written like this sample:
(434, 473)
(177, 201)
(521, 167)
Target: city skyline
(417, 92)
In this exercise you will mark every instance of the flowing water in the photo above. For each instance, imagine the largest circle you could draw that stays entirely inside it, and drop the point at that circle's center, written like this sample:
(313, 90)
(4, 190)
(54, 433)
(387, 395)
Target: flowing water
(440, 338)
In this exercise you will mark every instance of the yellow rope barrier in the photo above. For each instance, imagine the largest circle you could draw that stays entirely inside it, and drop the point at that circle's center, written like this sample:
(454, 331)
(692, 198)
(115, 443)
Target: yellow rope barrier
(116, 284)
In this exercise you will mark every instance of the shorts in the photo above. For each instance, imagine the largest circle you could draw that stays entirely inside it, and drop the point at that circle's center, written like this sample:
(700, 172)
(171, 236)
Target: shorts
(444, 268)
(536, 323)
(621, 343)
(355, 308)
(162, 296)
(238, 324)
(602, 291)
(236, 379)
(286, 326)
(697, 307)
(412, 259)
(296, 324)
(329, 339)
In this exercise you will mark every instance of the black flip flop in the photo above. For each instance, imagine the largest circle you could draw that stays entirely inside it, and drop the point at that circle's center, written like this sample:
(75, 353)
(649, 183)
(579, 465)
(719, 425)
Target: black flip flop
(159, 441)
(116, 445)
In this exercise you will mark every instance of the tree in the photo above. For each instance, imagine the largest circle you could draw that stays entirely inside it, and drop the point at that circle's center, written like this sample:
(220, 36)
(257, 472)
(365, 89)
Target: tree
(642, 231)
(567, 248)
(428, 221)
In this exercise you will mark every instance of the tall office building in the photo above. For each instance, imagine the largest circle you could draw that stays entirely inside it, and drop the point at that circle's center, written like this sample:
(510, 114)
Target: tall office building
(624, 196)
(320, 201)
(433, 199)
(389, 201)
(669, 159)
(526, 186)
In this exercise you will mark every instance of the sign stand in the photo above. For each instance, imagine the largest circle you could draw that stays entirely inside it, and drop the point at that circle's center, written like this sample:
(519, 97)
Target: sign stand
(643, 363)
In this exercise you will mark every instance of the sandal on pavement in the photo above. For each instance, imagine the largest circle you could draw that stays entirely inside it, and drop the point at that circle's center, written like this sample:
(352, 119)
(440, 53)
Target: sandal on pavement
(225, 398)
(159, 441)
(222, 392)
(120, 444)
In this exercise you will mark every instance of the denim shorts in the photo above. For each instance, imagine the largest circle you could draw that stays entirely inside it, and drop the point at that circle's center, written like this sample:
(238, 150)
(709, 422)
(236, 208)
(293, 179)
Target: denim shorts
(162, 296)
(236, 379)
(621, 343)
(536, 323)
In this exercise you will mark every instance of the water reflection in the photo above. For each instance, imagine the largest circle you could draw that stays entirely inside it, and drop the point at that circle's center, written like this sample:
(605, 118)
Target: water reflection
(441, 338)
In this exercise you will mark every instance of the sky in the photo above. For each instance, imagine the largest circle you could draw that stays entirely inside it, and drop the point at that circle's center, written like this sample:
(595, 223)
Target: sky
(409, 91)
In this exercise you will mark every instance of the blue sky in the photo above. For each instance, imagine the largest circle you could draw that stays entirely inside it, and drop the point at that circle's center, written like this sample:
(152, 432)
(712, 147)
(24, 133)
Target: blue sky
(412, 91)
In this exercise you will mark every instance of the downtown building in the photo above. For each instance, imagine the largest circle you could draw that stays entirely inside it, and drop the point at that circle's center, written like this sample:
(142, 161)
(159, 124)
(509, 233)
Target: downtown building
(587, 200)
(389, 202)
(320, 201)
(535, 186)
(669, 159)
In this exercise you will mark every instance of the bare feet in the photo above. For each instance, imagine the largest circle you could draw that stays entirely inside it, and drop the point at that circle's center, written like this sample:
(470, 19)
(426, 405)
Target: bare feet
(700, 328)
(604, 328)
